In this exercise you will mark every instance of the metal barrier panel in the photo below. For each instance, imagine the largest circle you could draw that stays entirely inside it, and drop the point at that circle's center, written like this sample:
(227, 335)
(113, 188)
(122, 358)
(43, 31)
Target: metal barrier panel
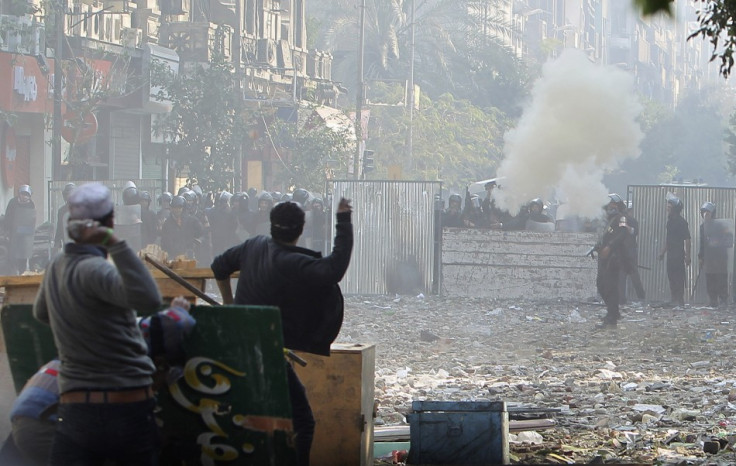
(394, 225)
(649, 206)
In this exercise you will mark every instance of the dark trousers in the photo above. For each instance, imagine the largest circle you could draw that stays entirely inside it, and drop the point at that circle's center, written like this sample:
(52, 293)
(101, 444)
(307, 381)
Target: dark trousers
(676, 276)
(607, 283)
(717, 286)
(632, 274)
(302, 417)
(93, 433)
(33, 438)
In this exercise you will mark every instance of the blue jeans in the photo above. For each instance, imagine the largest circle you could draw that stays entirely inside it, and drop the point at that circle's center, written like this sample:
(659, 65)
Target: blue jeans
(91, 433)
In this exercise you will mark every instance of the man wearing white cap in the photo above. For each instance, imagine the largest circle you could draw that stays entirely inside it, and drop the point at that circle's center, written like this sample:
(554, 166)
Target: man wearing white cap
(106, 403)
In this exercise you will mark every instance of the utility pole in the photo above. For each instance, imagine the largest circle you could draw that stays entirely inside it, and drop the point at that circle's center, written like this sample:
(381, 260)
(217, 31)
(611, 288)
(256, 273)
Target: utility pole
(359, 98)
(58, 76)
(410, 145)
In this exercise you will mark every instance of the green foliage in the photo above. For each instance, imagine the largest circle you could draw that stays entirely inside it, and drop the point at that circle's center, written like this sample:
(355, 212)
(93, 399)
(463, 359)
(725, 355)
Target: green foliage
(730, 140)
(650, 7)
(452, 140)
(716, 20)
(310, 151)
(685, 143)
(207, 122)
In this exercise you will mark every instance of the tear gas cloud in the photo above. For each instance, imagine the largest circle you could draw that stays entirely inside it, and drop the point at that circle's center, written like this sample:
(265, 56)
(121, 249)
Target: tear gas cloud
(581, 121)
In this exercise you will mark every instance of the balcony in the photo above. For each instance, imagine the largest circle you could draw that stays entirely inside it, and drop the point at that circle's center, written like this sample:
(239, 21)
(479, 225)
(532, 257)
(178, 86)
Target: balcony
(20, 34)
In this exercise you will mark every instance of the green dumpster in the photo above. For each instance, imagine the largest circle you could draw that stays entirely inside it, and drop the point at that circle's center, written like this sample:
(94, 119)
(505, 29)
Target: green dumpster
(231, 406)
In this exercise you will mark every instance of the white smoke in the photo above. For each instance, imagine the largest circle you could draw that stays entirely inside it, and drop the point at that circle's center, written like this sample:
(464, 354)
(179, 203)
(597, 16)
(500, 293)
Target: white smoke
(580, 123)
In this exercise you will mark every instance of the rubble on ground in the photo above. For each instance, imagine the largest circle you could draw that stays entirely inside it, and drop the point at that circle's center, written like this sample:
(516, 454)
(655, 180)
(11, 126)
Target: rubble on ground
(658, 389)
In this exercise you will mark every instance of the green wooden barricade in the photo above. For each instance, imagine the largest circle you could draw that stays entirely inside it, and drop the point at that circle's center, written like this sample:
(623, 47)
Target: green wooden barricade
(231, 407)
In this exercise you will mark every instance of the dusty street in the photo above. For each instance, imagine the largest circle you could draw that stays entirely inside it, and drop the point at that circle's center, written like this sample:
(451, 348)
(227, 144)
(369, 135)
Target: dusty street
(659, 389)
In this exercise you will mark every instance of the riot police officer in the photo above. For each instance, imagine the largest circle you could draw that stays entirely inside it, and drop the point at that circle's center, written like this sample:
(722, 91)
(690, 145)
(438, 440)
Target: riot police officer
(20, 225)
(261, 220)
(715, 240)
(150, 221)
(181, 231)
(611, 258)
(631, 250)
(452, 216)
(223, 224)
(677, 247)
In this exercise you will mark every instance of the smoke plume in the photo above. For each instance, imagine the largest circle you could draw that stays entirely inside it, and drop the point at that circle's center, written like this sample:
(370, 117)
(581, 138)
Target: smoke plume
(581, 122)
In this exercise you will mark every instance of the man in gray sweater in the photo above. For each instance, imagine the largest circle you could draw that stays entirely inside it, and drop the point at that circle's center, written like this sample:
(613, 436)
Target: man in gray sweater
(106, 403)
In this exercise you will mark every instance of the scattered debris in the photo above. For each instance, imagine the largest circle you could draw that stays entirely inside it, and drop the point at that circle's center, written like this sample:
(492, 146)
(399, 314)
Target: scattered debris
(651, 391)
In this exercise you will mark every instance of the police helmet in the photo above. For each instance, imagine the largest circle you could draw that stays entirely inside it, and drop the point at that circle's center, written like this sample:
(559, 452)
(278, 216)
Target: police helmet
(130, 195)
(129, 184)
(224, 198)
(301, 196)
(25, 189)
(674, 201)
(178, 201)
(252, 192)
(708, 207)
(455, 198)
(537, 202)
(317, 201)
(144, 196)
(182, 190)
(165, 198)
(238, 198)
(265, 196)
(189, 196)
(68, 188)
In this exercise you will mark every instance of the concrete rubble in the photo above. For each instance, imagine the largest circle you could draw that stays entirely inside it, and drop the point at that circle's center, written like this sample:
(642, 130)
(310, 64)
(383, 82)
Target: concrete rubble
(659, 389)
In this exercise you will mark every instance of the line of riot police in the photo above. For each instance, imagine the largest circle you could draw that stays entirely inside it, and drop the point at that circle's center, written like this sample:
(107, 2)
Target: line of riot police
(479, 212)
(200, 226)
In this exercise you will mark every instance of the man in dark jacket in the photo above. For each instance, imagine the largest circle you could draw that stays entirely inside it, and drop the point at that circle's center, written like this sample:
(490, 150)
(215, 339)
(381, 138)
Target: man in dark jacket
(302, 283)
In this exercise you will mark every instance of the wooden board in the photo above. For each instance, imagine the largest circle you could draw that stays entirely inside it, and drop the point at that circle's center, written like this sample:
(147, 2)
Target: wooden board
(340, 389)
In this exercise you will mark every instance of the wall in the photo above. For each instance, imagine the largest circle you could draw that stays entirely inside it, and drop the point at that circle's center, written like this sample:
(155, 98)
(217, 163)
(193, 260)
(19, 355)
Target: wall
(517, 264)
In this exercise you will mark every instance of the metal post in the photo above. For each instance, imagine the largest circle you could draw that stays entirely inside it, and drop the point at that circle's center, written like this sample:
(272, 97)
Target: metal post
(410, 145)
(58, 76)
(359, 98)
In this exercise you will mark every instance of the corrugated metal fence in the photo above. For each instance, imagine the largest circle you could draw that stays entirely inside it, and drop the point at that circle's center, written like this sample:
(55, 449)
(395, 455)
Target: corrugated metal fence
(396, 245)
(154, 187)
(649, 207)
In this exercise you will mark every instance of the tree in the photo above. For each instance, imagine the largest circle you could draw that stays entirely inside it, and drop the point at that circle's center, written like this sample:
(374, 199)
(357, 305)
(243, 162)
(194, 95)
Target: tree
(686, 144)
(207, 123)
(716, 23)
(310, 151)
(453, 140)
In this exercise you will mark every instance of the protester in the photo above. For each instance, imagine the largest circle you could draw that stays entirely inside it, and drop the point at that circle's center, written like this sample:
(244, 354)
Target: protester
(106, 400)
(34, 413)
(302, 283)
